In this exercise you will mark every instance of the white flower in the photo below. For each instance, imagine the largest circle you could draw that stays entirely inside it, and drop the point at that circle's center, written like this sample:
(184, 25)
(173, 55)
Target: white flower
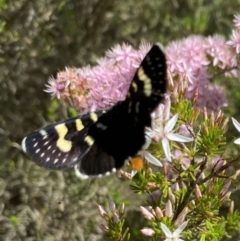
(162, 128)
(237, 125)
(175, 236)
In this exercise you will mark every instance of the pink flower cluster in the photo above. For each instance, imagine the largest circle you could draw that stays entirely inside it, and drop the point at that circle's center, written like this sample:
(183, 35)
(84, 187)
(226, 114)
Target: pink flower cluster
(196, 58)
(101, 86)
(235, 38)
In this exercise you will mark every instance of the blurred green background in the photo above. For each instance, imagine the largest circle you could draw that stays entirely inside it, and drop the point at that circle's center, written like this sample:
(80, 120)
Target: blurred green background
(39, 38)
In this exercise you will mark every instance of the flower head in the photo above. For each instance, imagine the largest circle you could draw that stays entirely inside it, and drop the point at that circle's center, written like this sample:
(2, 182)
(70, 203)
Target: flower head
(236, 20)
(54, 87)
(101, 86)
(235, 40)
(173, 236)
(162, 129)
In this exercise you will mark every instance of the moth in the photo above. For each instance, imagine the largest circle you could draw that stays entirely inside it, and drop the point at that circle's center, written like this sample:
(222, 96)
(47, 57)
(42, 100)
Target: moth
(99, 143)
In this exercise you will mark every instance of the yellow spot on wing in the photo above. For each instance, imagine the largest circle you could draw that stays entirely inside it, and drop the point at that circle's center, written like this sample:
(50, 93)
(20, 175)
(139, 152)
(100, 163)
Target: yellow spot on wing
(146, 81)
(79, 125)
(63, 144)
(93, 116)
(89, 140)
(142, 76)
(135, 87)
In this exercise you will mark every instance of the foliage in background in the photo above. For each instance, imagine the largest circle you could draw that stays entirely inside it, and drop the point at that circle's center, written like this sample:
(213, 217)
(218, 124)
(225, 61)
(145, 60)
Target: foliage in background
(39, 38)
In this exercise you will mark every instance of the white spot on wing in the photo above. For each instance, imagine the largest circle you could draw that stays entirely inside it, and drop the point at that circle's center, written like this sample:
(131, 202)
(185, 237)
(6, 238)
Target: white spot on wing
(35, 144)
(48, 159)
(42, 154)
(37, 150)
(43, 133)
(79, 174)
(45, 143)
(56, 160)
(75, 159)
(24, 148)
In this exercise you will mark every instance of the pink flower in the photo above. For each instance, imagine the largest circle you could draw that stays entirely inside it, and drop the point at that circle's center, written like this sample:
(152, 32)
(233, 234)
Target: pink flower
(235, 40)
(236, 20)
(189, 58)
(174, 56)
(54, 87)
(200, 79)
(143, 49)
(193, 51)
(214, 98)
(101, 86)
(123, 53)
(214, 46)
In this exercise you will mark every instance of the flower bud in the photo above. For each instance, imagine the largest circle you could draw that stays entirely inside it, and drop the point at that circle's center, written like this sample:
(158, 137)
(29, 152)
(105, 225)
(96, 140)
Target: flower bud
(146, 214)
(147, 231)
(104, 227)
(102, 212)
(231, 208)
(171, 195)
(225, 188)
(198, 192)
(159, 213)
(122, 209)
(116, 218)
(168, 209)
(112, 205)
(181, 217)
(226, 197)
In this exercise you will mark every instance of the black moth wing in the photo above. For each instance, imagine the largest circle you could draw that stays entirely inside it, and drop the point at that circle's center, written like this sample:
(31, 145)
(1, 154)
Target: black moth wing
(62, 144)
(149, 83)
(119, 133)
(115, 137)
